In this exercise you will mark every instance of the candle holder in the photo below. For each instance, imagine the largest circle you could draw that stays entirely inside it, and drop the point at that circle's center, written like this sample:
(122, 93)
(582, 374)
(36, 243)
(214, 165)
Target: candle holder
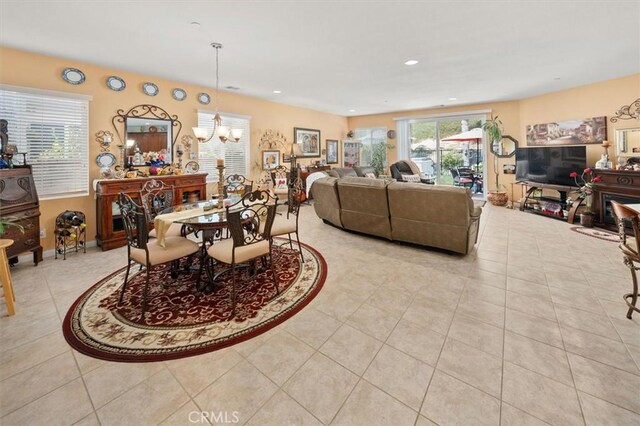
(220, 185)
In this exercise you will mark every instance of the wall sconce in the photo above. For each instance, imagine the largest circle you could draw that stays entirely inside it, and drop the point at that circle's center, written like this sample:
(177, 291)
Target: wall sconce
(104, 138)
(224, 133)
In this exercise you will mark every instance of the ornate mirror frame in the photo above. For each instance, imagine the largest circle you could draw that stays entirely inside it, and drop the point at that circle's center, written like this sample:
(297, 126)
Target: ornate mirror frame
(119, 121)
(508, 155)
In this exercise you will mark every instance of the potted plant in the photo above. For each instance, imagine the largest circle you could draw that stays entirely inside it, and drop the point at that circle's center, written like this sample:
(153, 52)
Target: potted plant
(6, 222)
(493, 127)
(585, 187)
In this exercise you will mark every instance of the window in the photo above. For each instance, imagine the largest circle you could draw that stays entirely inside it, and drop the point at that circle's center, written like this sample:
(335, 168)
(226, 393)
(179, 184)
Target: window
(373, 147)
(235, 154)
(53, 129)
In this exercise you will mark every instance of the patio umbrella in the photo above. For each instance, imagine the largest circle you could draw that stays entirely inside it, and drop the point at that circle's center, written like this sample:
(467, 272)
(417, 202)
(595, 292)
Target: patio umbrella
(469, 136)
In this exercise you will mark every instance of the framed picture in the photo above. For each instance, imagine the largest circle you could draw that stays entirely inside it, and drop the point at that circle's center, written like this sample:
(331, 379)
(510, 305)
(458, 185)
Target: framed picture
(350, 153)
(570, 132)
(509, 169)
(270, 159)
(309, 140)
(286, 158)
(332, 151)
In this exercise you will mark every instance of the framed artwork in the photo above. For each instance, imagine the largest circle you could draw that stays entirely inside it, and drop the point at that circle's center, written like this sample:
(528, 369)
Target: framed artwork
(350, 153)
(270, 159)
(286, 158)
(571, 132)
(332, 151)
(309, 141)
(509, 169)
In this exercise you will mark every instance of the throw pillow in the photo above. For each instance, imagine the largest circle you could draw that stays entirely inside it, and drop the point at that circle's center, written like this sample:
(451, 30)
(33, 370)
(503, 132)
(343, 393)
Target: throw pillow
(281, 183)
(411, 178)
(370, 175)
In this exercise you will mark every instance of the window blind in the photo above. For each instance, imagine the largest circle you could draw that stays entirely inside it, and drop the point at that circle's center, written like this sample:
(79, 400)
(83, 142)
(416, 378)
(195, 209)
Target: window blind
(369, 139)
(235, 154)
(54, 132)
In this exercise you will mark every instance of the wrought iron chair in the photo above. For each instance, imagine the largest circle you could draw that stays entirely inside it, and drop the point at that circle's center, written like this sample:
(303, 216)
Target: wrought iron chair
(466, 173)
(250, 221)
(144, 252)
(237, 184)
(155, 196)
(459, 180)
(630, 248)
(287, 225)
(281, 182)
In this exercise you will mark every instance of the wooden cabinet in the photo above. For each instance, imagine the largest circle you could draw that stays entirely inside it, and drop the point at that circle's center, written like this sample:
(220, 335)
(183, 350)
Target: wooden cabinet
(109, 222)
(19, 203)
(622, 186)
(311, 169)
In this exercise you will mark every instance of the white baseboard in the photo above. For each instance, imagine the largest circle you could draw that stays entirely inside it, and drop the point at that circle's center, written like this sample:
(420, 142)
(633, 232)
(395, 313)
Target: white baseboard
(49, 253)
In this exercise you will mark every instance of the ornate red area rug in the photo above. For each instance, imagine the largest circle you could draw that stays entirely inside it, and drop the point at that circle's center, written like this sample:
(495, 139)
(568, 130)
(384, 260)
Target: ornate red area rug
(598, 233)
(182, 322)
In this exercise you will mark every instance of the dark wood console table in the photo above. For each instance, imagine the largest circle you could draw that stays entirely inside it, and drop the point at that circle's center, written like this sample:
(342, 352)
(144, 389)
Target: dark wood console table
(617, 185)
(110, 226)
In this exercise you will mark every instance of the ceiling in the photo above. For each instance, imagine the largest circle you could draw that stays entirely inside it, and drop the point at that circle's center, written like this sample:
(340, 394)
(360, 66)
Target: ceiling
(344, 57)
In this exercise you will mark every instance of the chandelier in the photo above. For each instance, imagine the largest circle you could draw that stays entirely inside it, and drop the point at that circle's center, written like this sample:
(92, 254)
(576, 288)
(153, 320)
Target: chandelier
(223, 132)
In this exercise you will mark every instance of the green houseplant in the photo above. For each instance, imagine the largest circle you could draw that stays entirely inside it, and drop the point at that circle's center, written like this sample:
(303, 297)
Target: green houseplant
(493, 128)
(7, 222)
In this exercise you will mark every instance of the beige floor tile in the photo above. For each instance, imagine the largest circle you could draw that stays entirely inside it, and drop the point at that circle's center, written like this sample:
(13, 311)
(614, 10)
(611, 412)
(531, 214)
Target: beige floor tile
(483, 311)
(149, 402)
(536, 328)
(488, 278)
(338, 304)
(599, 412)
(312, 327)
(87, 363)
(525, 272)
(486, 293)
(477, 334)
(511, 416)
(491, 266)
(394, 301)
(279, 357)
(544, 398)
(198, 372)
(321, 386)
(90, 420)
(419, 342)
(440, 293)
(472, 366)
(635, 353)
(615, 386)
(423, 421)
(368, 405)
(29, 385)
(351, 348)
(373, 321)
(429, 314)
(607, 351)
(528, 288)
(67, 404)
(450, 401)
(531, 305)
(401, 376)
(584, 300)
(586, 321)
(281, 409)
(245, 348)
(243, 389)
(628, 330)
(21, 358)
(190, 414)
(547, 360)
(113, 379)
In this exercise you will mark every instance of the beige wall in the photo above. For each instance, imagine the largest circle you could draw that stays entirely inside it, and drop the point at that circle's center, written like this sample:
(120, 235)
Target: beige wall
(43, 72)
(593, 100)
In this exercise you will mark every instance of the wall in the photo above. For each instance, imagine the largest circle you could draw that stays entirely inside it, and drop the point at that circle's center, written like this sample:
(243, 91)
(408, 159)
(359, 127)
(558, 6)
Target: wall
(38, 71)
(593, 100)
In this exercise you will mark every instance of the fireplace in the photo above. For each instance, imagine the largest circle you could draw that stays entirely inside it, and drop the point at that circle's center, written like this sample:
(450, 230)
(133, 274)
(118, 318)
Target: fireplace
(622, 186)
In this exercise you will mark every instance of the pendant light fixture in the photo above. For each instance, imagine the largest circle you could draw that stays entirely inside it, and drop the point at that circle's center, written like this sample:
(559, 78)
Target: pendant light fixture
(223, 132)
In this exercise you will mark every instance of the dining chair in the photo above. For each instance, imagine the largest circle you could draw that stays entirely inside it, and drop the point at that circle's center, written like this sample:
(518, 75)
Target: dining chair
(250, 221)
(156, 196)
(281, 182)
(144, 252)
(287, 225)
(237, 184)
(630, 248)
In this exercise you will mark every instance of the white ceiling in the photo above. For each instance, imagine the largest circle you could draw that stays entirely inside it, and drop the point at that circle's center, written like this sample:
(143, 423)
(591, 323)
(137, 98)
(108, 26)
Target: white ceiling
(335, 56)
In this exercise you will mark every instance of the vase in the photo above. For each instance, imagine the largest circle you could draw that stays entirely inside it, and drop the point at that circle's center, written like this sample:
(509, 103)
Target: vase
(586, 219)
(498, 198)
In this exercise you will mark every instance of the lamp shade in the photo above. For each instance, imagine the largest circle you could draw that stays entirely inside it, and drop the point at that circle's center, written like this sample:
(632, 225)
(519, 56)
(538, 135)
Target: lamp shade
(296, 150)
(236, 134)
(130, 143)
(200, 133)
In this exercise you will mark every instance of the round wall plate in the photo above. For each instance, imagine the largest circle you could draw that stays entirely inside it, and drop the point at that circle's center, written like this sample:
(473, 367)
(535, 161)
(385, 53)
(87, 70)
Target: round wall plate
(391, 134)
(179, 94)
(73, 76)
(116, 83)
(105, 159)
(192, 167)
(203, 98)
(150, 89)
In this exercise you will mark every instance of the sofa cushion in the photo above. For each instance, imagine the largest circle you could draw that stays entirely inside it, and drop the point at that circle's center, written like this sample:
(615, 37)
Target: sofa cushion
(410, 178)
(364, 206)
(326, 201)
(362, 171)
(339, 172)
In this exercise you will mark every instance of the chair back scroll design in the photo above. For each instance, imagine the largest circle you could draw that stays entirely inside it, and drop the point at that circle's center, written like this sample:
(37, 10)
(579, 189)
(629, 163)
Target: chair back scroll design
(134, 218)
(251, 218)
(155, 196)
(295, 198)
(237, 184)
(630, 251)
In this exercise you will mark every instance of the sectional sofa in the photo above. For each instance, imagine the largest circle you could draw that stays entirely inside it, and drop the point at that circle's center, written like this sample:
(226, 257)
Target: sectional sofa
(434, 216)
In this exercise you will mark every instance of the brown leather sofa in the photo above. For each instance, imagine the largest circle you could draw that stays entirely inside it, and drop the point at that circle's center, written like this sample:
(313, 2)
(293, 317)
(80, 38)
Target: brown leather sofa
(435, 216)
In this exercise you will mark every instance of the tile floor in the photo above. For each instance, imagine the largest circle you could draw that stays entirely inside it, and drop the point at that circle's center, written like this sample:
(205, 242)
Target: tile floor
(528, 329)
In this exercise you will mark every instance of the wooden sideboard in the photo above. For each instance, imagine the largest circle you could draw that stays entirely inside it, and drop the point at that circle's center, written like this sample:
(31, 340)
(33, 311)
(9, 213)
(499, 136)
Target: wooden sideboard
(619, 185)
(109, 222)
(19, 203)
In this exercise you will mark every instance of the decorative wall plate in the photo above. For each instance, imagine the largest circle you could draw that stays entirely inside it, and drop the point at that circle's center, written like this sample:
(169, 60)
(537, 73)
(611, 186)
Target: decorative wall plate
(150, 89)
(73, 76)
(105, 159)
(116, 83)
(192, 167)
(391, 134)
(179, 94)
(204, 99)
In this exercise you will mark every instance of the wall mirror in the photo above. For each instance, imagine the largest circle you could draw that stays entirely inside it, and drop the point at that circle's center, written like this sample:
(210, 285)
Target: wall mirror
(505, 148)
(152, 133)
(628, 142)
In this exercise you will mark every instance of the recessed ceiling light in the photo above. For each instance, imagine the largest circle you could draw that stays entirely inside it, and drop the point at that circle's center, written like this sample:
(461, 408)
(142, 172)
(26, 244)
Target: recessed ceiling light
(453, 99)
(557, 78)
(411, 62)
(352, 110)
(277, 91)
(195, 25)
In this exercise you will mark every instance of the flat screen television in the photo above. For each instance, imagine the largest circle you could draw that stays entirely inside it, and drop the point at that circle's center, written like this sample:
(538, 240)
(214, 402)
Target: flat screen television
(550, 165)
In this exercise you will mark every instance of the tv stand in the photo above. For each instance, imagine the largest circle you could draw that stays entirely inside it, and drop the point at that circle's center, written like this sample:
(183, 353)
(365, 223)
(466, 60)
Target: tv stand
(549, 206)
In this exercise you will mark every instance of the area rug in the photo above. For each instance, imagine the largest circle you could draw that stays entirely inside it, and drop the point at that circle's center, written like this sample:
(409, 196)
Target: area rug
(600, 234)
(181, 322)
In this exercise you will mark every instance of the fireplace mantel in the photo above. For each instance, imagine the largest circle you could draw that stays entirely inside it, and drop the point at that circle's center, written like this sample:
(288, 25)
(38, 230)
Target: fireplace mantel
(619, 185)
